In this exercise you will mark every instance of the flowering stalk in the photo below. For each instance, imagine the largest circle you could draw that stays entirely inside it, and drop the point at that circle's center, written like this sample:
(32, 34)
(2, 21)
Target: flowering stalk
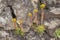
(41, 28)
(30, 16)
(14, 22)
(35, 11)
(21, 24)
(42, 16)
(42, 6)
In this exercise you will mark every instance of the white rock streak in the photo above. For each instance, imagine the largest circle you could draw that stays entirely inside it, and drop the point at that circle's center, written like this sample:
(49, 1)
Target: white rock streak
(52, 24)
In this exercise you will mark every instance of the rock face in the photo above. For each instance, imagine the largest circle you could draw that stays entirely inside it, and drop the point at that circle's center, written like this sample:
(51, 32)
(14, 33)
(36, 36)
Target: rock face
(55, 10)
(3, 34)
(53, 23)
(21, 9)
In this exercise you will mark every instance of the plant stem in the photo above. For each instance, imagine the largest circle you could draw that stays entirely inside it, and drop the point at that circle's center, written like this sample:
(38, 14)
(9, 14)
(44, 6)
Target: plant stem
(15, 25)
(21, 27)
(42, 16)
(35, 19)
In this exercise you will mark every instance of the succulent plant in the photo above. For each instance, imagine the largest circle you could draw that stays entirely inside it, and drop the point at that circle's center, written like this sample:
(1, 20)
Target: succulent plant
(19, 32)
(40, 29)
(57, 33)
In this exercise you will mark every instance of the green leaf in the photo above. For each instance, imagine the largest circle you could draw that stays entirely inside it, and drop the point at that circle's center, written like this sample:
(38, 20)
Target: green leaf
(19, 32)
(40, 29)
(57, 33)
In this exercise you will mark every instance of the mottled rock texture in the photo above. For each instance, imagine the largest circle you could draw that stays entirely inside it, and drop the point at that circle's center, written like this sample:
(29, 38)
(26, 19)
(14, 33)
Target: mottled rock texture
(21, 9)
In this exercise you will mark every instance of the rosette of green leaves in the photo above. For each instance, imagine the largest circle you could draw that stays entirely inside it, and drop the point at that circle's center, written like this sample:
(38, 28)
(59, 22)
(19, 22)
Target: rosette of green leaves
(18, 31)
(57, 33)
(40, 29)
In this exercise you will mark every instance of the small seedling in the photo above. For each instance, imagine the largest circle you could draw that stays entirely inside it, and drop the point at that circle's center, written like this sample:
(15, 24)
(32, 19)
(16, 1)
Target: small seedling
(57, 33)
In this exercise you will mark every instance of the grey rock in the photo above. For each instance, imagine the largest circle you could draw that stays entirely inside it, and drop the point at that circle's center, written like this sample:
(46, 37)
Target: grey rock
(3, 34)
(53, 23)
(55, 10)
(21, 9)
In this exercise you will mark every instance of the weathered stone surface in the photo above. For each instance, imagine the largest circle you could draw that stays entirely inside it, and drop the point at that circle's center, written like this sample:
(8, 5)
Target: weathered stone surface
(52, 23)
(21, 9)
(3, 34)
(55, 10)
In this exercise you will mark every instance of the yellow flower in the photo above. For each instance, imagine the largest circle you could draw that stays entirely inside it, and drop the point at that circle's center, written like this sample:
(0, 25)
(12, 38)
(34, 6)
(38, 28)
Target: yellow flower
(14, 19)
(29, 14)
(42, 6)
(35, 10)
